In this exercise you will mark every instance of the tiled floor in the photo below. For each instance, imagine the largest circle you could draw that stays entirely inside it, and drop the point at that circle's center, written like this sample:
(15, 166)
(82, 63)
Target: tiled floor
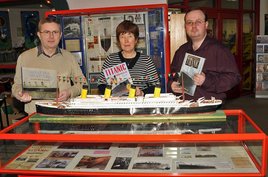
(256, 108)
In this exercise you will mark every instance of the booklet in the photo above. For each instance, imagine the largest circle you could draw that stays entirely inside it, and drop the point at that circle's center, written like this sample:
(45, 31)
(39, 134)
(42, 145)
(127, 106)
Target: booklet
(39, 83)
(192, 64)
(119, 78)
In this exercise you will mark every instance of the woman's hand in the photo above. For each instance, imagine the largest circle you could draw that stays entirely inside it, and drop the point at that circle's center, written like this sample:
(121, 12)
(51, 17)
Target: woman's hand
(139, 92)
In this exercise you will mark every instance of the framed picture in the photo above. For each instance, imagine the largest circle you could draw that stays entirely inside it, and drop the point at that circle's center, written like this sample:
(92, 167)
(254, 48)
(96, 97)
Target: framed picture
(5, 36)
(30, 21)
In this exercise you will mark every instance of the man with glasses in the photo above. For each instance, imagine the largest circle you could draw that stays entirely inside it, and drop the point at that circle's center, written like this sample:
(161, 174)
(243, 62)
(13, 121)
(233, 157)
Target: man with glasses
(48, 56)
(219, 73)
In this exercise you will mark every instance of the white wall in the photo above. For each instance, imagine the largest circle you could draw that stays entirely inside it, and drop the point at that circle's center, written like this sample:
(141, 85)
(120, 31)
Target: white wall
(263, 10)
(83, 4)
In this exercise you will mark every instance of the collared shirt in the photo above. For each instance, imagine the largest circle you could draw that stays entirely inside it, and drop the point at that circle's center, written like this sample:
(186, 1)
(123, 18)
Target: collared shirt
(41, 51)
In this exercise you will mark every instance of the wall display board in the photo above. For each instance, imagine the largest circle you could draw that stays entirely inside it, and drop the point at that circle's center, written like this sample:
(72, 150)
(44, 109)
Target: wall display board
(261, 89)
(90, 34)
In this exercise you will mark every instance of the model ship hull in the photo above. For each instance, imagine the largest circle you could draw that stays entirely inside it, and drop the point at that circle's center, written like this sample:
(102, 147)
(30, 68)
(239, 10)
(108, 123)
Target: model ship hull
(167, 104)
(125, 111)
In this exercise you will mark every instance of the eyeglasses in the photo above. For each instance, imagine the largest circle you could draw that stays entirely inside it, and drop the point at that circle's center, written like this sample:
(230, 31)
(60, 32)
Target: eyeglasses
(197, 22)
(48, 33)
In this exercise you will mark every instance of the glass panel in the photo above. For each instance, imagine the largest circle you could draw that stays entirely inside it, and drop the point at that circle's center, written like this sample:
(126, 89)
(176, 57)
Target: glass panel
(229, 34)
(83, 158)
(230, 4)
(211, 28)
(202, 3)
(247, 4)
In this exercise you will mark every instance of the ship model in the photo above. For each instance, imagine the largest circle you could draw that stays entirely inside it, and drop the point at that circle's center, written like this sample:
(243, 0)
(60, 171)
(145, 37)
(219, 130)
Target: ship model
(166, 103)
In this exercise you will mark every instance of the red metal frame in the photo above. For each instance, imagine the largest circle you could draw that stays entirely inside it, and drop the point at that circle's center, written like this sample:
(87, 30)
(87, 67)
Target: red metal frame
(241, 136)
(8, 66)
(136, 8)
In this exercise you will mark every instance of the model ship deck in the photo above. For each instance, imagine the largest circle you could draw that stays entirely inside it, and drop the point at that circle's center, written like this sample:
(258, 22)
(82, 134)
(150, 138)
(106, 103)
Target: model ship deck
(97, 105)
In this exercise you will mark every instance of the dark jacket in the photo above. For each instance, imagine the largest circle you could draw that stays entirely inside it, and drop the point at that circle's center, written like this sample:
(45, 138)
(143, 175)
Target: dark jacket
(220, 68)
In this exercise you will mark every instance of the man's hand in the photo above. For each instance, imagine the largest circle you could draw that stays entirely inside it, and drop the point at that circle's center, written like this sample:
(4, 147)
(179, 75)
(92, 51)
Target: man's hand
(176, 87)
(64, 95)
(199, 79)
(24, 97)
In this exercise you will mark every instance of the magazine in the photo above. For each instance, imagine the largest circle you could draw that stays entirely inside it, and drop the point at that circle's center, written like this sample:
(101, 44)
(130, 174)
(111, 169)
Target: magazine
(119, 78)
(192, 64)
(39, 83)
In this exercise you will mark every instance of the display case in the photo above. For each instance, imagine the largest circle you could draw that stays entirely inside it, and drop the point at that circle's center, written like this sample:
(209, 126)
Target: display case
(90, 35)
(224, 143)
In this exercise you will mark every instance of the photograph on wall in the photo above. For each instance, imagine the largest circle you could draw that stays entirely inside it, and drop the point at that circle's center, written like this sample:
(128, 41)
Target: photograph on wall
(262, 58)
(72, 45)
(71, 27)
(29, 20)
(5, 37)
(105, 33)
(136, 18)
(261, 39)
(259, 48)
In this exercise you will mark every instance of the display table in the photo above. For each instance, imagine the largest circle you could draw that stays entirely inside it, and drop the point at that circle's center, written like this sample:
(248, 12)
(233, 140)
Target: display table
(224, 143)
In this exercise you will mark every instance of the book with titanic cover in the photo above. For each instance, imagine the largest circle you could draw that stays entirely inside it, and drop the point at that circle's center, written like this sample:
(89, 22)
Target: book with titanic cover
(119, 78)
(192, 64)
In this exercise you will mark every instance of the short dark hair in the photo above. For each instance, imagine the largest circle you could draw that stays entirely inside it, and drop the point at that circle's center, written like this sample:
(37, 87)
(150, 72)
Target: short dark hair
(127, 26)
(193, 9)
(49, 19)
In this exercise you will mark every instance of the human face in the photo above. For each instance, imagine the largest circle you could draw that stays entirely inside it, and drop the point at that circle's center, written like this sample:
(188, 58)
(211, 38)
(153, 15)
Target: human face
(127, 42)
(49, 36)
(195, 25)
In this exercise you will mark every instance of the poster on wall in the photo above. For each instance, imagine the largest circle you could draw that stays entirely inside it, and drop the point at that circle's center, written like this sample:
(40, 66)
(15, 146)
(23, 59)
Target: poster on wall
(5, 37)
(29, 20)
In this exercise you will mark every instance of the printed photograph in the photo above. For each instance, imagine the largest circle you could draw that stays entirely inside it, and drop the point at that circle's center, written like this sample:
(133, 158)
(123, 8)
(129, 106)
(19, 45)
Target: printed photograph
(53, 163)
(152, 164)
(121, 163)
(63, 154)
(93, 162)
(194, 165)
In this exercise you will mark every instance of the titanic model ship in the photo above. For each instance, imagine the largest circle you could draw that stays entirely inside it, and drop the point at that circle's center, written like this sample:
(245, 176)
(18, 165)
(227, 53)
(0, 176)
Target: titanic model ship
(167, 103)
